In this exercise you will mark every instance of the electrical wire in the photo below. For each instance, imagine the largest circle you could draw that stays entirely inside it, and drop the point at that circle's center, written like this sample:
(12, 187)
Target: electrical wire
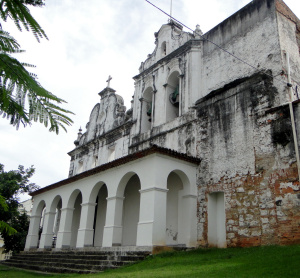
(220, 47)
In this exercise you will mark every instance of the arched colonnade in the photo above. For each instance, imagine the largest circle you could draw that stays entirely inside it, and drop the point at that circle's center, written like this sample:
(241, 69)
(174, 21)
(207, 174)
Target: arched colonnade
(148, 202)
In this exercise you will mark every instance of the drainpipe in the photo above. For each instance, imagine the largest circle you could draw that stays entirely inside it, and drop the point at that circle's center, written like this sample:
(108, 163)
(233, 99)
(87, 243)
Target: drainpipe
(289, 84)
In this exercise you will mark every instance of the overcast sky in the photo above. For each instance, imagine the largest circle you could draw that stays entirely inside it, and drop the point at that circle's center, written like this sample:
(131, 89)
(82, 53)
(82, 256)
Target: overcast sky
(88, 41)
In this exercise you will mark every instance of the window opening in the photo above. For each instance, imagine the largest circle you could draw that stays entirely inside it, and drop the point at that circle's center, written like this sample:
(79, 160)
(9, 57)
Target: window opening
(164, 49)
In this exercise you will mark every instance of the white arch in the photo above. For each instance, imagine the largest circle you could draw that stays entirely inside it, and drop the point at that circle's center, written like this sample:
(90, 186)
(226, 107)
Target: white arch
(37, 209)
(94, 192)
(181, 214)
(123, 182)
(72, 198)
(55, 202)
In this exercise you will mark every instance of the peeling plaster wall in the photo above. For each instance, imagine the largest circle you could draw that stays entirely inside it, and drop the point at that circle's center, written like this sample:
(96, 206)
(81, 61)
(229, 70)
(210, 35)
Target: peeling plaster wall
(252, 35)
(106, 137)
(289, 37)
(247, 152)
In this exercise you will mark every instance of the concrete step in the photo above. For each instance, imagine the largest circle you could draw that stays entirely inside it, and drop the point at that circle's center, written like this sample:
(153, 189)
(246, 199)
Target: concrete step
(74, 262)
(59, 257)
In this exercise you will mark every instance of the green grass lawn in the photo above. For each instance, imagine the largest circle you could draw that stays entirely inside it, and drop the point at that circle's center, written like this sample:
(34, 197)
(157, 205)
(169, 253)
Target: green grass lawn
(269, 261)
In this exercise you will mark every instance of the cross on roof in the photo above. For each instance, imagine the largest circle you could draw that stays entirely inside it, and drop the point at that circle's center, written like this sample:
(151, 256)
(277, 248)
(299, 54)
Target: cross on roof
(108, 81)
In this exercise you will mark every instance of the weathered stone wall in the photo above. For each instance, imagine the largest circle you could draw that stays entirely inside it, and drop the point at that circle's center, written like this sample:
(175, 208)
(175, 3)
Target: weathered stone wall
(247, 152)
(178, 135)
(250, 34)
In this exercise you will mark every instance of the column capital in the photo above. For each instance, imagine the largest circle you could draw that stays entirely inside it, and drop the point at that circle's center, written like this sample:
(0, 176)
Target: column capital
(89, 204)
(66, 209)
(153, 189)
(50, 213)
(85, 229)
(35, 216)
(115, 198)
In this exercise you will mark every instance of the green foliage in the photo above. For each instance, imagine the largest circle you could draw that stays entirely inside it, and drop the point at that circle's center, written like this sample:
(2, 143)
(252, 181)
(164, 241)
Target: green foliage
(17, 84)
(16, 242)
(13, 224)
(4, 227)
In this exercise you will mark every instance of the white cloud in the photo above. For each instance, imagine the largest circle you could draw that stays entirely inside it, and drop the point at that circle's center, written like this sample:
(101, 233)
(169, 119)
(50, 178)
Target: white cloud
(89, 40)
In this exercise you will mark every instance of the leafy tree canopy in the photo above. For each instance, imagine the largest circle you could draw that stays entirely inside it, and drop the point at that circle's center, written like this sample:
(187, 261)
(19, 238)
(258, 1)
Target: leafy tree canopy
(13, 223)
(22, 98)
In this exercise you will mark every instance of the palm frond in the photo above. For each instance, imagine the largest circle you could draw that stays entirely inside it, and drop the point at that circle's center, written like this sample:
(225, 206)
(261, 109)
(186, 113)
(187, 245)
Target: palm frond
(20, 14)
(8, 43)
(5, 228)
(15, 84)
(3, 204)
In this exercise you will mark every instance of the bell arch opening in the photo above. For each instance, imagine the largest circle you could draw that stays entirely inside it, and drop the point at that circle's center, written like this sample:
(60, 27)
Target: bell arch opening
(163, 49)
(147, 110)
(173, 96)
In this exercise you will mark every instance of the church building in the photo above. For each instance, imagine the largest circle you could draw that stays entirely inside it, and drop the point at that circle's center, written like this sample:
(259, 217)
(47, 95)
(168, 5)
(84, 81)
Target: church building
(207, 155)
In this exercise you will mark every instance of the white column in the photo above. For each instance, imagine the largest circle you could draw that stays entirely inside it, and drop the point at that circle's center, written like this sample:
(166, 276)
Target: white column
(85, 235)
(33, 232)
(112, 234)
(64, 233)
(152, 224)
(57, 221)
(47, 234)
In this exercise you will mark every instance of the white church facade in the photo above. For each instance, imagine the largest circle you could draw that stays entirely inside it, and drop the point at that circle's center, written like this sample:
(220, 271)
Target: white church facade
(206, 155)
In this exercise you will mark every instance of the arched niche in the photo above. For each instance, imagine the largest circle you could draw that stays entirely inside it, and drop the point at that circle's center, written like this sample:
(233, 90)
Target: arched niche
(147, 110)
(173, 96)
